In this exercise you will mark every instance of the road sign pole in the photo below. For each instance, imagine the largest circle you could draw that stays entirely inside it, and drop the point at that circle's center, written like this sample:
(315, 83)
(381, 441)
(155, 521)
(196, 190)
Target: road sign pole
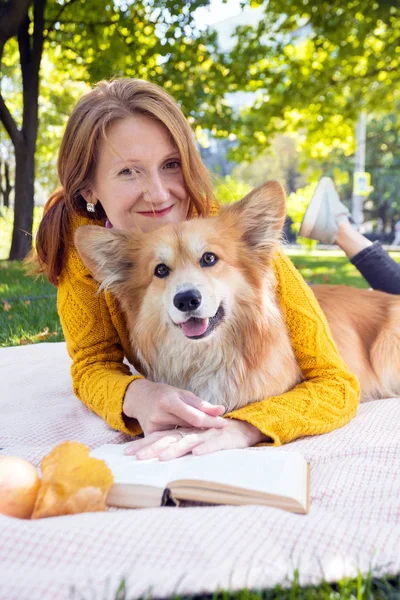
(359, 167)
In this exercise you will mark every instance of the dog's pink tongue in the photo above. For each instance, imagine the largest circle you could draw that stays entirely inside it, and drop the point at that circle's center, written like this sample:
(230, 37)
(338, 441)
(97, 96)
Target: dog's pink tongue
(194, 327)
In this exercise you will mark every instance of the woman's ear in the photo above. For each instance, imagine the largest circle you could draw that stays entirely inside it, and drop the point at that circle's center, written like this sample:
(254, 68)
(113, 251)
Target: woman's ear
(89, 196)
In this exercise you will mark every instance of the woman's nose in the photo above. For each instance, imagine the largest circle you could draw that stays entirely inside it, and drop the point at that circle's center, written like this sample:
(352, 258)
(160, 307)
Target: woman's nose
(156, 190)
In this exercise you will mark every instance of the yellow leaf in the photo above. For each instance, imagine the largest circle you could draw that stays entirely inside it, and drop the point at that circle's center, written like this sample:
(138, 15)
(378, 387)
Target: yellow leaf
(7, 306)
(72, 482)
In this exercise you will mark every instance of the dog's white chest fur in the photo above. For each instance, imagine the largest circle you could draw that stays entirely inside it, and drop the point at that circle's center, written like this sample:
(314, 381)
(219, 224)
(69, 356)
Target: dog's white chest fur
(216, 371)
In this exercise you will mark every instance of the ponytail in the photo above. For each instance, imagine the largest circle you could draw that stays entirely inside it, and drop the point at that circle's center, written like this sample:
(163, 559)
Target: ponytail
(52, 237)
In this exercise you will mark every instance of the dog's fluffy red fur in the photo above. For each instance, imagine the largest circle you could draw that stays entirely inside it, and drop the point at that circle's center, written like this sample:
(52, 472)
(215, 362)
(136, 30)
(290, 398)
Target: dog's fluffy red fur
(365, 325)
(243, 351)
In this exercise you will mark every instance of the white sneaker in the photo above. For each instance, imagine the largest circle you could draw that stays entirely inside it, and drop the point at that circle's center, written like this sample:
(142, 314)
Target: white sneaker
(324, 213)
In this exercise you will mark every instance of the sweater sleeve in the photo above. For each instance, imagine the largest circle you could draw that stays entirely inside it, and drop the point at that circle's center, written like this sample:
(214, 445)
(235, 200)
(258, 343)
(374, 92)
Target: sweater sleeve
(99, 375)
(329, 395)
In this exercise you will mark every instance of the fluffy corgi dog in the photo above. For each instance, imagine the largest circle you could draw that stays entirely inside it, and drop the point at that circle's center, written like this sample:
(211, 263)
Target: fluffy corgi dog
(202, 311)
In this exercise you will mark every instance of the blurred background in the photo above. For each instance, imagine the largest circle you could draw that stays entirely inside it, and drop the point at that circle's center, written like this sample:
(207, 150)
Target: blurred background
(288, 89)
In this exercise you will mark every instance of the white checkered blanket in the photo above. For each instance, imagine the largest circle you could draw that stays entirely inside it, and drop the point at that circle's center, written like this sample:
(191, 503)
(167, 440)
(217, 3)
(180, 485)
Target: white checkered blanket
(353, 525)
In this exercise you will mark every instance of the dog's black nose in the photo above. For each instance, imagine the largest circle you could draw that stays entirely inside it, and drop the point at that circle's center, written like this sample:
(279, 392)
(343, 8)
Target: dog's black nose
(186, 301)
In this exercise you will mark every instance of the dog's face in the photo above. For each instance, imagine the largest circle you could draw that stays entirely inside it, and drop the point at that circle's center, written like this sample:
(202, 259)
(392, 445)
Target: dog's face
(193, 280)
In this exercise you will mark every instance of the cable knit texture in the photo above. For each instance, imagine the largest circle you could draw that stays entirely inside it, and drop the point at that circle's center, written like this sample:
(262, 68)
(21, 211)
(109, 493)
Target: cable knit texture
(97, 341)
(329, 395)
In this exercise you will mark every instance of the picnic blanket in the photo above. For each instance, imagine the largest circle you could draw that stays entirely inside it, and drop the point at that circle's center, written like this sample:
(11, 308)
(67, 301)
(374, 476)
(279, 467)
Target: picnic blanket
(353, 525)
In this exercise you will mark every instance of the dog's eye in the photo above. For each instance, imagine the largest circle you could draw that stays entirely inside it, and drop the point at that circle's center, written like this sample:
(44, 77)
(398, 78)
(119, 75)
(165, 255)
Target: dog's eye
(208, 259)
(161, 271)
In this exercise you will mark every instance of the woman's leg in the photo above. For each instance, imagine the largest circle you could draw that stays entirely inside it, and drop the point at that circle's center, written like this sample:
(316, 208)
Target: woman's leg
(350, 240)
(378, 268)
(326, 220)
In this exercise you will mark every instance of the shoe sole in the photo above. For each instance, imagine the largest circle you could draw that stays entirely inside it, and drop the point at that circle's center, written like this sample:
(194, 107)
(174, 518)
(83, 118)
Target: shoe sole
(310, 216)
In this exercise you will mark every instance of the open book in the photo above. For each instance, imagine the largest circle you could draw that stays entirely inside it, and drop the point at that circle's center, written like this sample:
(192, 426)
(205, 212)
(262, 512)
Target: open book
(266, 476)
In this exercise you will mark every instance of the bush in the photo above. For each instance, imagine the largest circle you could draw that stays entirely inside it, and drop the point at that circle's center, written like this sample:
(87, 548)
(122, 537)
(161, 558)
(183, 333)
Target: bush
(228, 189)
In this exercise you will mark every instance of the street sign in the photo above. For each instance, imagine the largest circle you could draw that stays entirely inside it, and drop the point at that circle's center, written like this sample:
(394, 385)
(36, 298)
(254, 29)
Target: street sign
(361, 183)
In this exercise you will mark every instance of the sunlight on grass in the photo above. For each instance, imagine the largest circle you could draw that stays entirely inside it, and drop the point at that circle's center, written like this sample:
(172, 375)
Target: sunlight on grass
(28, 312)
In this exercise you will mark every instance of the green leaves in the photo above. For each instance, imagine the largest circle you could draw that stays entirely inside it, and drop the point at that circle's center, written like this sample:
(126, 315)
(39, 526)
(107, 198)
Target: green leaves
(312, 61)
(308, 67)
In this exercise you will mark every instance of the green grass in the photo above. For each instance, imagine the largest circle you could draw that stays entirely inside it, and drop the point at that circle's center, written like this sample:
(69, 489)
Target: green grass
(329, 266)
(28, 312)
(359, 588)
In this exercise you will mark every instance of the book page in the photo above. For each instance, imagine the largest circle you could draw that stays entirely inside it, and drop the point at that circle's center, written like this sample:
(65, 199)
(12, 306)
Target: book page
(266, 470)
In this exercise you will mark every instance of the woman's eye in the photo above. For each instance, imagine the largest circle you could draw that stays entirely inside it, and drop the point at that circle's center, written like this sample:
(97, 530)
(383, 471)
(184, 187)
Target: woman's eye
(208, 259)
(161, 271)
(173, 164)
(127, 171)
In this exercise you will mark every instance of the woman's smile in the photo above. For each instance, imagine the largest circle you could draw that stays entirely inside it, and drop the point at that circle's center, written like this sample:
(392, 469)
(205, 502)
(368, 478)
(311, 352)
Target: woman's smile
(157, 213)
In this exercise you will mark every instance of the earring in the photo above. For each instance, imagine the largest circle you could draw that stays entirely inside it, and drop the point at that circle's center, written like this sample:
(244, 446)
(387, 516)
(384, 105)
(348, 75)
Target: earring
(90, 207)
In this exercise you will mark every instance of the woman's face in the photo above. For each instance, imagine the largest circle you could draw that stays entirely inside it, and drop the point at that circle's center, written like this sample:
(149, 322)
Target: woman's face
(139, 179)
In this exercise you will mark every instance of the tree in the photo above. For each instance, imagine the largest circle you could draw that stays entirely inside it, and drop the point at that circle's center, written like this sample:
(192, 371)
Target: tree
(382, 161)
(315, 66)
(312, 67)
(16, 22)
(279, 161)
(95, 39)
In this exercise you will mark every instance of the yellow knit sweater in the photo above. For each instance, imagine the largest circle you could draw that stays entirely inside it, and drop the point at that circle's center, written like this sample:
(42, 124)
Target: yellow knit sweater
(97, 341)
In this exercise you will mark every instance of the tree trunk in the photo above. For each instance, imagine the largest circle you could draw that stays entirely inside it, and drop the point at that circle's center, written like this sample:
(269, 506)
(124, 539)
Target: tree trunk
(7, 185)
(6, 189)
(24, 201)
(30, 50)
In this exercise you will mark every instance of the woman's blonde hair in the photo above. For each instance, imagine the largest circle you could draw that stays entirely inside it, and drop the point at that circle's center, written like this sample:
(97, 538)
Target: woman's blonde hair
(95, 112)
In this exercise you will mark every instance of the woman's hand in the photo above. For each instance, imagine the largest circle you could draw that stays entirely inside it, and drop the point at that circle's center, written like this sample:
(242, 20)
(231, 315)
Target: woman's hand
(173, 443)
(159, 407)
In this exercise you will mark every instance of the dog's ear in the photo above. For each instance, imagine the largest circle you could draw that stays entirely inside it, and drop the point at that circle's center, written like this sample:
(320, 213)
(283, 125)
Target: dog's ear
(261, 215)
(106, 253)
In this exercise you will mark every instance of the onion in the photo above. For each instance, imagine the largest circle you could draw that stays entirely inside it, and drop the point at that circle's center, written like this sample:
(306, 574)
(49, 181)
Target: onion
(19, 485)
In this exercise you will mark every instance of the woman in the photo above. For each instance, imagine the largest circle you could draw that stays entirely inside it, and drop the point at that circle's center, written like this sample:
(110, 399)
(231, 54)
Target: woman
(327, 220)
(128, 159)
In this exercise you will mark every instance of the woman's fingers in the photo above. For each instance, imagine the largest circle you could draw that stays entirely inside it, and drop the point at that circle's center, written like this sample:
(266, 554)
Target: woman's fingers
(154, 449)
(148, 439)
(166, 445)
(183, 446)
(202, 405)
(194, 417)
